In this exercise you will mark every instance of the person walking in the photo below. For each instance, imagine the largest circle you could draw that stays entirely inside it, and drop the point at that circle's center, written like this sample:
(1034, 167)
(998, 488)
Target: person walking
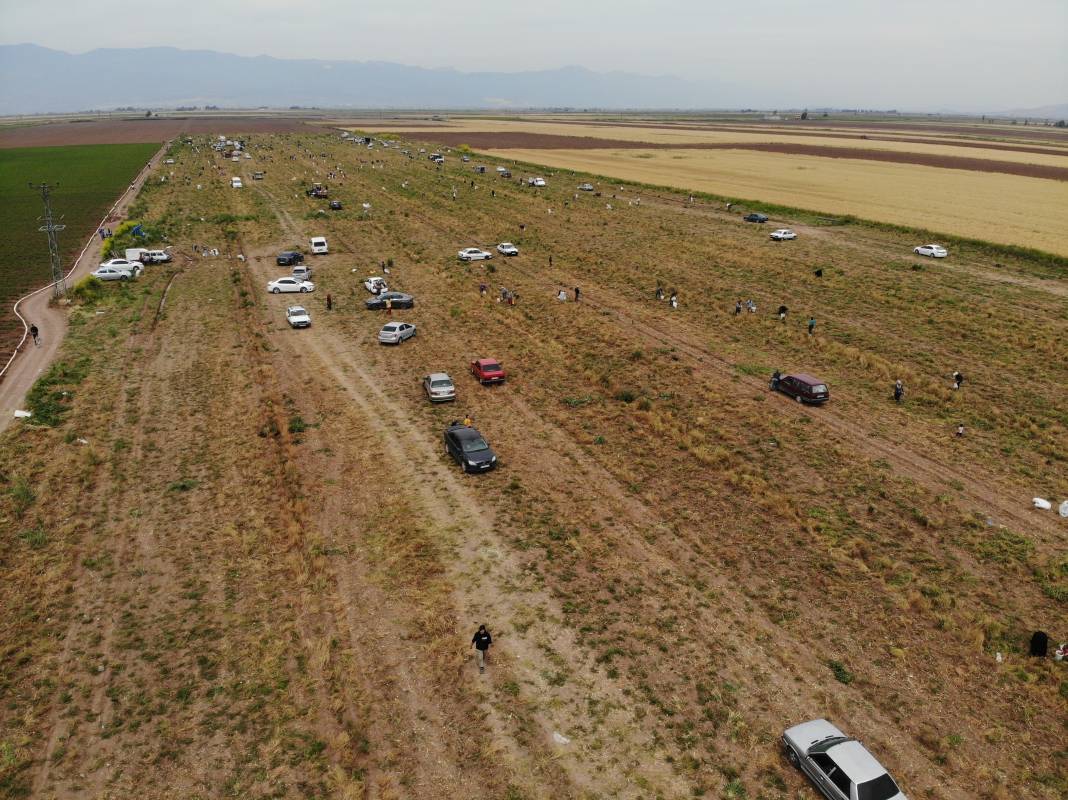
(782, 313)
(960, 430)
(659, 292)
(389, 306)
(738, 308)
(673, 301)
(899, 392)
(482, 289)
(561, 295)
(482, 641)
(550, 259)
(958, 380)
(811, 325)
(329, 302)
(36, 334)
(578, 292)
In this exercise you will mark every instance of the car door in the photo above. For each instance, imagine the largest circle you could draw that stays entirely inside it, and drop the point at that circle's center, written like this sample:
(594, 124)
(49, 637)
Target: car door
(451, 446)
(832, 781)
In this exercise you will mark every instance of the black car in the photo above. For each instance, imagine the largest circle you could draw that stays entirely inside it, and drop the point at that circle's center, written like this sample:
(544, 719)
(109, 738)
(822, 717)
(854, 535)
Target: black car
(471, 451)
(335, 205)
(505, 174)
(400, 300)
(289, 258)
(754, 217)
(802, 387)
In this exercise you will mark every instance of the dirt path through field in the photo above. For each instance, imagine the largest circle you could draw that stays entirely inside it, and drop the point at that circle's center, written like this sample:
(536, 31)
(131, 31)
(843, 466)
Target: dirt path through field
(51, 320)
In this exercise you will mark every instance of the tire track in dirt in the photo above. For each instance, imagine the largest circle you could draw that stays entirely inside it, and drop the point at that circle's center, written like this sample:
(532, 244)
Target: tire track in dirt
(495, 559)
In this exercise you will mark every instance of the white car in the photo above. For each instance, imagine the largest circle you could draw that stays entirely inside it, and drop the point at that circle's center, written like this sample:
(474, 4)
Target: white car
(319, 246)
(168, 161)
(439, 387)
(290, 285)
(535, 181)
(298, 317)
(841, 767)
(124, 264)
(783, 234)
(585, 187)
(507, 249)
(473, 254)
(112, 274)
(235, 183)
(932, 250)
(375, 285)
(396, 332)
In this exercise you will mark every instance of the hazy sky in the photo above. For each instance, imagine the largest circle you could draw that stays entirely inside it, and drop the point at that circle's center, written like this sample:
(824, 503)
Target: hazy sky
(907, 54)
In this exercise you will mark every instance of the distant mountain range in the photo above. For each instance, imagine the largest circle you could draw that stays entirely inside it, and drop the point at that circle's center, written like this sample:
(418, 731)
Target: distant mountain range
(37, 79)
(1057, 111)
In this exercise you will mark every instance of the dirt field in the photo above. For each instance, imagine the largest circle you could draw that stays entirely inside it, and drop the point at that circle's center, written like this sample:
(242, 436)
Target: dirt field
(241, 565)
(126, 131)
(543, 141)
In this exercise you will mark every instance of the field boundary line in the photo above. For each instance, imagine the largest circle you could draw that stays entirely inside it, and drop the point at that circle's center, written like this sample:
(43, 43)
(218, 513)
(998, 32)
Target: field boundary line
(136, 184)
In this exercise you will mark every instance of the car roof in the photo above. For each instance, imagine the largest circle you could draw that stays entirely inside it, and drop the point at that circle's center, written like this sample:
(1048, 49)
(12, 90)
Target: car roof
(465, 432)
(483, 361)
(855, 761)
(804, 377)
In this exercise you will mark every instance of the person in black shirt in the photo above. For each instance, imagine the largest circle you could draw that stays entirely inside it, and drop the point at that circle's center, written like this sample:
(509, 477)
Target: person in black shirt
(481, 641)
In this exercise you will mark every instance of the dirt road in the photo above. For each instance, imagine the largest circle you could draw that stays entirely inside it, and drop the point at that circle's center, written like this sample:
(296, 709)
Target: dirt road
(51, 320)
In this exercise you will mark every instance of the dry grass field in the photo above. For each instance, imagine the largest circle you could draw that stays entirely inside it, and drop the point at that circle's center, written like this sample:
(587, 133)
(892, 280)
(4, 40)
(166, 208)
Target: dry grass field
(239, 564)
(957, 187)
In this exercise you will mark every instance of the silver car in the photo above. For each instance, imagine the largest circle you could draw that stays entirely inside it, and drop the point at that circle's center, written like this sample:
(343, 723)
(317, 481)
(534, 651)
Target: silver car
(396, 332)
(439, 387)
(841, 767)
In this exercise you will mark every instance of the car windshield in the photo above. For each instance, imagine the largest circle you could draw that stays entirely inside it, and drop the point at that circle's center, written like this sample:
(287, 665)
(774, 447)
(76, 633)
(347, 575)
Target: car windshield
(441, 384)
(475, 445)
(882, 788)
(297, 312)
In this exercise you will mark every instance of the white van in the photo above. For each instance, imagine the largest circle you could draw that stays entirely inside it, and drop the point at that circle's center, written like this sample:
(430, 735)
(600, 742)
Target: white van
(318, 245)
(235, 183)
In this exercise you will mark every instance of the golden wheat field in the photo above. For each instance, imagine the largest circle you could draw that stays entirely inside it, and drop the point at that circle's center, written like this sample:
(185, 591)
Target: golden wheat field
(1005, 208)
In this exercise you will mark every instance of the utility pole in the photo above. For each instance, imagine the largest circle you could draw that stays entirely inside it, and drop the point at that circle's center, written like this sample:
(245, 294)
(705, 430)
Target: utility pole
(59, 287)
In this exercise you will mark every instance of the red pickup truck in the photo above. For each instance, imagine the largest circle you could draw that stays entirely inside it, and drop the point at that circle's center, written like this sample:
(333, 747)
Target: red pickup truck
(487, 370)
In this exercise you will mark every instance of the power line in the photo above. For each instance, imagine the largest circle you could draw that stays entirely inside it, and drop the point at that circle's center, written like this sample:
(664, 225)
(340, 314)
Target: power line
(50, 227)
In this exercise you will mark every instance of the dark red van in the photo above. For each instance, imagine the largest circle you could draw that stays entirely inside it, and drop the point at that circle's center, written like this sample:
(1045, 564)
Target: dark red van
(803, 388)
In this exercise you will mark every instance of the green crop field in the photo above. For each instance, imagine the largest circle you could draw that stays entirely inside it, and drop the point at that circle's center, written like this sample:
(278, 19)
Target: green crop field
(89, 178)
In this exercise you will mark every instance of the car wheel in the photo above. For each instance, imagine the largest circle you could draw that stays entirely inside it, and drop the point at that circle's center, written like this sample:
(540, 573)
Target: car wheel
(303, 289)
(276, 290)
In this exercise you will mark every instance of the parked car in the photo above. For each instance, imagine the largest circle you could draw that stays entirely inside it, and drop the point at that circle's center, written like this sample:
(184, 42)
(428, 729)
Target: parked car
(154, 257)
(257, 176)
(783, 234)
(439, 387)
(396, 332)
(127, 264)
(474, 254)
(585, 187)
(504, 173)
(488, 370)
(235, 183)
(289, 257)
(466, 445)
(375, 285)
(507, 249)
(932, 250)
(290, 285)
(318, 245)
(298, 317)
(802, 387)
(302, 272)
(465, 159)
(536, 182)
(841, 767)
(112, 273)
(501, 169)
(399, 300)
(754, 217)
(168, 161)
(335, 205)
